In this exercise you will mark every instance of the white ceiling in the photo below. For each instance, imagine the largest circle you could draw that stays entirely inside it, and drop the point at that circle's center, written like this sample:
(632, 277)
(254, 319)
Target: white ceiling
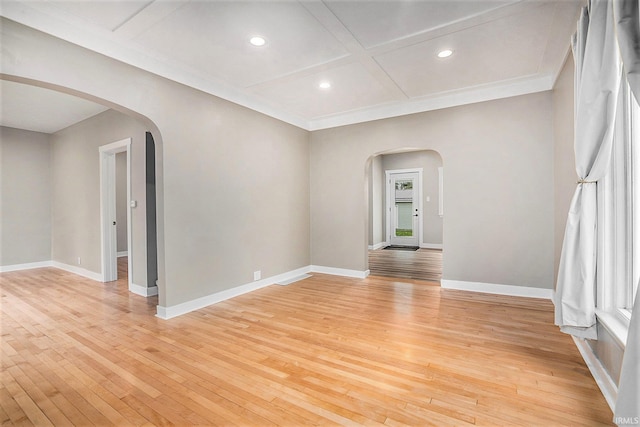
(379, 56)
(42, 110)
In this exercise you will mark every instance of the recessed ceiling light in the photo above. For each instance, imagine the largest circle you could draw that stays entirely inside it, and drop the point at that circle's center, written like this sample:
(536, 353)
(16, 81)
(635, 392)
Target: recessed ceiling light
(324, 85)
(445, 53)
(257, 41)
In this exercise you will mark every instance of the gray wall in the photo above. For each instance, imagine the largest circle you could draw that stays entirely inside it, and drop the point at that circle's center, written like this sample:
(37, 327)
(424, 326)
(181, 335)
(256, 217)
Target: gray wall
(429, 161)
(76, 191)
(232, 187)
(121, 201)
(25, 197)
(564, 169)
(499, 188)
(239, 199)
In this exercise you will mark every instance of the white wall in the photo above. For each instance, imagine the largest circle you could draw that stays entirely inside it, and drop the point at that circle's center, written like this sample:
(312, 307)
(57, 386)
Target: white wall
(499, 212)
(25, 197)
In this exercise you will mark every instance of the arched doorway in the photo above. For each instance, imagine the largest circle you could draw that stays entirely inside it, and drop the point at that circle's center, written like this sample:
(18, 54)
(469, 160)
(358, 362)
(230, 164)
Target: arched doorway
(82, 253)
(395, 247)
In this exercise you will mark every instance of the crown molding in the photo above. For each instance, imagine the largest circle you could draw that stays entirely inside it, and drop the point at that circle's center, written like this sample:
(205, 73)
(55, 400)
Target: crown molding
(499, 90)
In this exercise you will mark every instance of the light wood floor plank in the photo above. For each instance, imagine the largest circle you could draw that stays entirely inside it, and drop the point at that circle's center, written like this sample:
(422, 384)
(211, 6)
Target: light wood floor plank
(27, 405)
(323, 351)
(40, 393)
(14, 414)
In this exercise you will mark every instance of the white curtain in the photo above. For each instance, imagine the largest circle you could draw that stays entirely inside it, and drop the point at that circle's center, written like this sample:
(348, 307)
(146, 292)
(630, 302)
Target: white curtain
(597, 83)
(627, 411)
(627, 14)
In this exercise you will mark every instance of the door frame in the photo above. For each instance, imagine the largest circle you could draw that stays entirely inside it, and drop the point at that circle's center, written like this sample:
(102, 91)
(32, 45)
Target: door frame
(108, 209)
(388, 204)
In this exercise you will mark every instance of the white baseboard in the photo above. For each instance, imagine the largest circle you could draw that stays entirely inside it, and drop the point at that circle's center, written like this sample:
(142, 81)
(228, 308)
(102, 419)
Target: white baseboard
(79, 271)
(188, 306)
(292, 280)
(122, 253)
(378, 246)
(136, 289)
(143, 290)
(25, 266)
(607, 385)
(340, 271)
(493, 288)
(431, 245)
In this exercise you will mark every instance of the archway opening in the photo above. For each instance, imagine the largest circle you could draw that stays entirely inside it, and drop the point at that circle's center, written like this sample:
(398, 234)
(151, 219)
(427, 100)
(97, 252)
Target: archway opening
(67, 253)
(405, 214)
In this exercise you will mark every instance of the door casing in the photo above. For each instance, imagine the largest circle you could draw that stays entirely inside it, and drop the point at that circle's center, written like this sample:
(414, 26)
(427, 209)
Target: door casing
(390, 205)
(108, 209)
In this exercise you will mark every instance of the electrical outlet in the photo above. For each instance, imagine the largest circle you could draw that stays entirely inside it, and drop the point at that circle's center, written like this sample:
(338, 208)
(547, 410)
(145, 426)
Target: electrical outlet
(257, 275)
(79, 261)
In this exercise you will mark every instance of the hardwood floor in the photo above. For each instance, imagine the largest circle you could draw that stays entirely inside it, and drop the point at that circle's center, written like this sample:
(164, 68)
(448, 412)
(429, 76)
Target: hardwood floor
(123, 268)
(422, 264)
(325, 350)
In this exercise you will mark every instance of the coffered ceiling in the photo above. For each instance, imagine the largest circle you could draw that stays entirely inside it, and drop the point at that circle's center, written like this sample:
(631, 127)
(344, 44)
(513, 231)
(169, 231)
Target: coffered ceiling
(379, 57)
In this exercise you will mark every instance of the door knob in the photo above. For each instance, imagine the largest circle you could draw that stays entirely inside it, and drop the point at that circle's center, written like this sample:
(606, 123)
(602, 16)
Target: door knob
(114, 223)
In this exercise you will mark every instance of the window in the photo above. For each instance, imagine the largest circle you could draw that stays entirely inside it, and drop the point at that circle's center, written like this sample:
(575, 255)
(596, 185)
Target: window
(630, 140)
(634, 142)
(619, 220)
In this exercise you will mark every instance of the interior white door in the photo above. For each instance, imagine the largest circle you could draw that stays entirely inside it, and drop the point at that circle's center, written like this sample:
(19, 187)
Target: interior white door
(404, 208)
(109, 225)
(108, 208)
